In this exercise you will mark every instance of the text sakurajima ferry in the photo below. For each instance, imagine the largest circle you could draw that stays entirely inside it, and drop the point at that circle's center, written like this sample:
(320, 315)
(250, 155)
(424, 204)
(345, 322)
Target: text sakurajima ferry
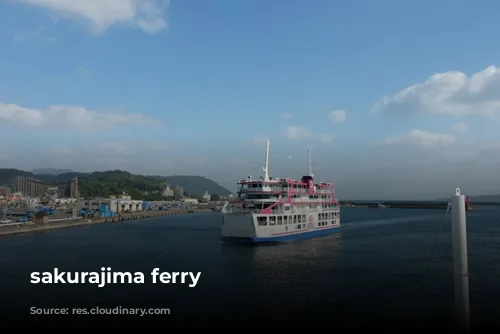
(280, 210)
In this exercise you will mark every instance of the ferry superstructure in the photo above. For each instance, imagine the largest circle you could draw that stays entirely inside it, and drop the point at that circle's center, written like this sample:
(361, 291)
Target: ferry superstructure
(281, 209)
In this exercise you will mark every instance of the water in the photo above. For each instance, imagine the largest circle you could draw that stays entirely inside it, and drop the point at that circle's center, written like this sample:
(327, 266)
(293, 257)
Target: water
(374, 272)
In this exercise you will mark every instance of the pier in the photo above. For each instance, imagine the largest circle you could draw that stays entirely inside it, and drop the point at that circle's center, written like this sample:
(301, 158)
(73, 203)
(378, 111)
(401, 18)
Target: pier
(50, 224)
(436, 205)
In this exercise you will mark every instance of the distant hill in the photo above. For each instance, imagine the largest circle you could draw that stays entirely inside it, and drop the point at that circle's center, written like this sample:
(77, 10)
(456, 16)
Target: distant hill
(103, 184)
(7, 174)
(195, 184)
(50, 171)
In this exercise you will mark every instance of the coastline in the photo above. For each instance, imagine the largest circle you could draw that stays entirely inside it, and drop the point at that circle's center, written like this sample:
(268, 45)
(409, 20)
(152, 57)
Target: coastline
(10, 230)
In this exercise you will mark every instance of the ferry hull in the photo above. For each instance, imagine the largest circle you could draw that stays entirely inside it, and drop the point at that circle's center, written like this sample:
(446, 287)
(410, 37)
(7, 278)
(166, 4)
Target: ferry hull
(283, 238)
(296, 237)
(240, 229)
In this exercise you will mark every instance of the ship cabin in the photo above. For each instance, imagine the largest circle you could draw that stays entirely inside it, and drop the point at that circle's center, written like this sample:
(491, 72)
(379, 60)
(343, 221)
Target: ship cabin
(257, 195)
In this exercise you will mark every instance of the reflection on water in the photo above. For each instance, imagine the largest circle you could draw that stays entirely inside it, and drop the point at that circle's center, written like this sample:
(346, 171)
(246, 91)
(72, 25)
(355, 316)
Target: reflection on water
(315, 249)
(288, 273)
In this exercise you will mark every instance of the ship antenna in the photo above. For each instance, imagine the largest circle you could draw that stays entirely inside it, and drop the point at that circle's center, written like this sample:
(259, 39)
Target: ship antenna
(310, 162)
(266, 162)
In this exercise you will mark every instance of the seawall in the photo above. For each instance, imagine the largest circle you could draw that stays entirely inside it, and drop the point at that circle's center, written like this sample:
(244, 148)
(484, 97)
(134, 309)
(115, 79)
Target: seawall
(140, 215)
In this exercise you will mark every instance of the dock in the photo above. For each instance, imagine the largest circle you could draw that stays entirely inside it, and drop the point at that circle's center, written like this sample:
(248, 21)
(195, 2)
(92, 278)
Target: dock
(16, 228)
(435, 205)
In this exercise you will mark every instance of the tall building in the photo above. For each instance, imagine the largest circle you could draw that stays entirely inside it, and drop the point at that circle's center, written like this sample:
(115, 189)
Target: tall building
(64, 190)
(74, 191)
(30, 187)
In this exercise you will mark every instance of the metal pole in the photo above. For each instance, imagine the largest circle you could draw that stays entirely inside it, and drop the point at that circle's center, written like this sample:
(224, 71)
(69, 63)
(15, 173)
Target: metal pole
(460, 267)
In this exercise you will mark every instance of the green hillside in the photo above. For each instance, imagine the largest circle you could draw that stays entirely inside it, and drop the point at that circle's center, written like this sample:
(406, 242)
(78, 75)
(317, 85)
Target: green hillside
(50, 171)
(104, 184)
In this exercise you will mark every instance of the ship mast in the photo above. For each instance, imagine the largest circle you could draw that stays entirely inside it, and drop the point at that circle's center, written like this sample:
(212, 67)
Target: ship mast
(266, 163)
(310, 162)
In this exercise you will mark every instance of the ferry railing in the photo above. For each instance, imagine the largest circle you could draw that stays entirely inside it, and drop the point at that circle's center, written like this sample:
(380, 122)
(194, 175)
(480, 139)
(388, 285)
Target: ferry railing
(242, 211)
(277, 210)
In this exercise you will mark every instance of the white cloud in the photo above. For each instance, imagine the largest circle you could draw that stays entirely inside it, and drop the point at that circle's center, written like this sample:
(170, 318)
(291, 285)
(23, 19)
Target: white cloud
(296, 132)
(421, 138)
(450, 93)
(326, 138)
(459, 127)
(83, 71)
(337, 116)
(72, 117)
(286, 116)
(147, 15)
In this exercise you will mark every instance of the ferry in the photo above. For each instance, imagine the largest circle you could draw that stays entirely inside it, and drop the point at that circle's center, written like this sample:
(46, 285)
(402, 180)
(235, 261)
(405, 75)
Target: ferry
(275, 210)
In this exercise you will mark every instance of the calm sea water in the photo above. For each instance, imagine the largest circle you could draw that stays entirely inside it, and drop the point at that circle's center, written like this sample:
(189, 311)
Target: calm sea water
(373, 272)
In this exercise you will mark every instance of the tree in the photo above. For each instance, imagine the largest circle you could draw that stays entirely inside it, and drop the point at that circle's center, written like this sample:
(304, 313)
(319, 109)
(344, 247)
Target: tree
(215, 197)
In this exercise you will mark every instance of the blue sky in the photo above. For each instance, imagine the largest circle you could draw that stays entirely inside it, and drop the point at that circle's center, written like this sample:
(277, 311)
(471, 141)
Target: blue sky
(399, 99)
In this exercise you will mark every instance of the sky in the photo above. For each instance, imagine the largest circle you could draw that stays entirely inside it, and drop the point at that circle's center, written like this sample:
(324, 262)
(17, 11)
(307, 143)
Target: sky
(398, 99)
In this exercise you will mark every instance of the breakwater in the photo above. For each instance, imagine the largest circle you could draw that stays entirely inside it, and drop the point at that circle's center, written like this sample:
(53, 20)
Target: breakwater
(397, 204)
(64, 223)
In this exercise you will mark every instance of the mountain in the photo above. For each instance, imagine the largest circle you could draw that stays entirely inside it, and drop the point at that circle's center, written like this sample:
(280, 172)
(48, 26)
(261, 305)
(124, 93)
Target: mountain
(7, 174)
(103, 184)
(195, 185)
(50, 171)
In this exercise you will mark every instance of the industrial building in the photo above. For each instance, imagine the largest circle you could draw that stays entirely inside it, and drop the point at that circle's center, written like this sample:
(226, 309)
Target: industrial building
(114, 204)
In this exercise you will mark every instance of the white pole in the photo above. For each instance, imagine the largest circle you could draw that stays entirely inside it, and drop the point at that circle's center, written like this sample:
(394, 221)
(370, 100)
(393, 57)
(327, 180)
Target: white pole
(460, 267)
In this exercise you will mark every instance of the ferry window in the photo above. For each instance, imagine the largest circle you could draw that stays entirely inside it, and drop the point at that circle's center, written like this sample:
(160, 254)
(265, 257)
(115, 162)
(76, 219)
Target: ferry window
(272, 221)
(280, 222)
(285, 220)
(303, 218)
(294, 219)
(262, 221)
(287, 208)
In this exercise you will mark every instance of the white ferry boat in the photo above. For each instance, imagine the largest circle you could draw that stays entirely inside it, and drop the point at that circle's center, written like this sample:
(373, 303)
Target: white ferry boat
(281, 209)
